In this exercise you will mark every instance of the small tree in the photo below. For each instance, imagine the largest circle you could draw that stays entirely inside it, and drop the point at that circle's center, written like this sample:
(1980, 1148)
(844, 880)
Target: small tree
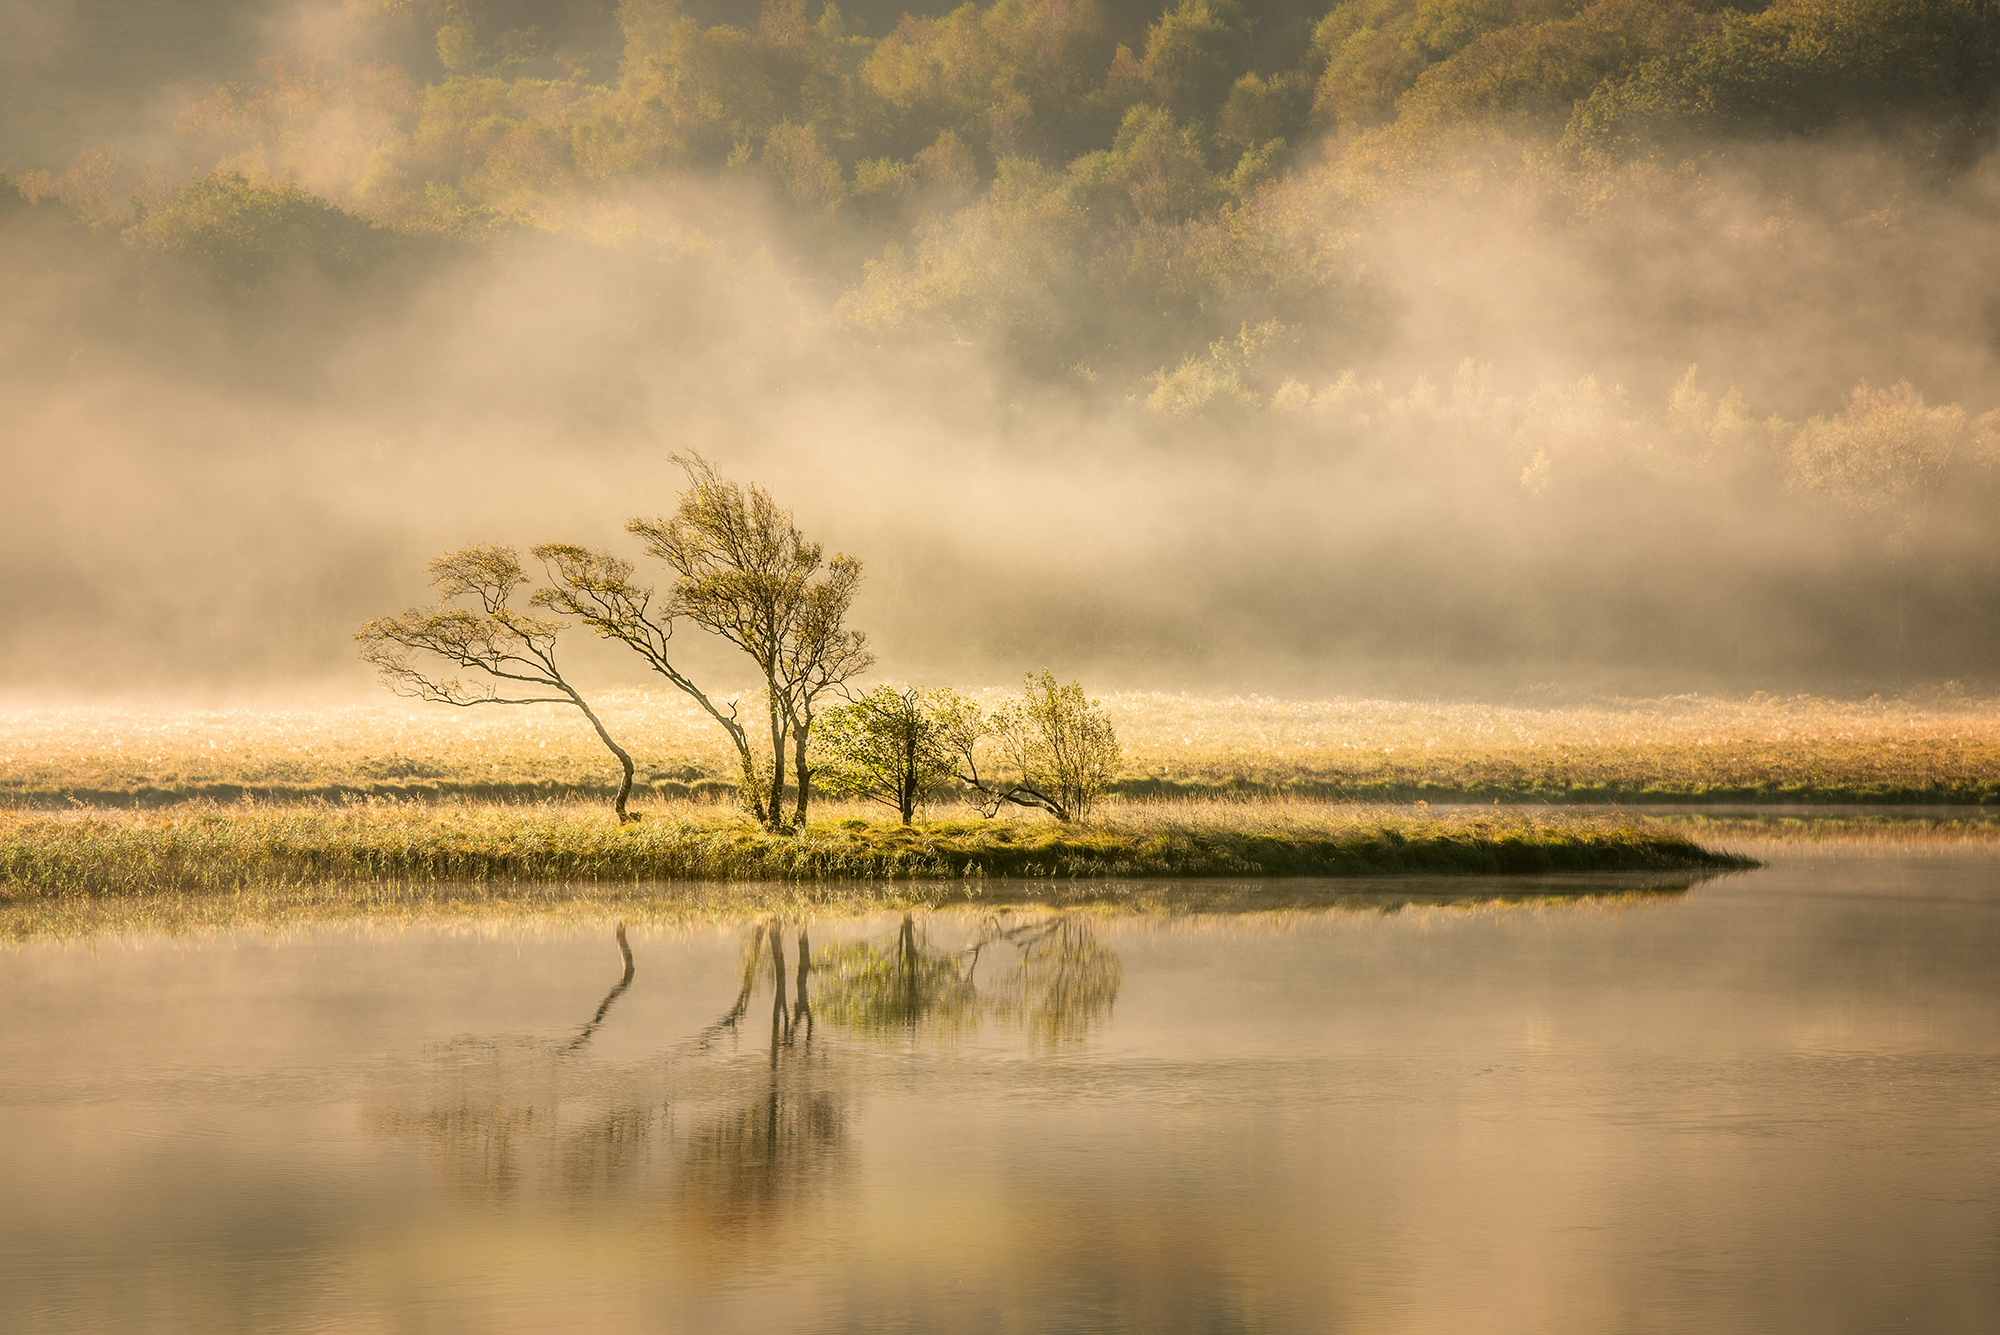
(1061, 745)
(962, 726)
(515, 650)
(1057, 743)
(746, 573)
(888, 746)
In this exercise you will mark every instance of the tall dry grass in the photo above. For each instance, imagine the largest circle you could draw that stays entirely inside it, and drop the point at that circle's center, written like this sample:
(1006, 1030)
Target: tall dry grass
(1686, 744)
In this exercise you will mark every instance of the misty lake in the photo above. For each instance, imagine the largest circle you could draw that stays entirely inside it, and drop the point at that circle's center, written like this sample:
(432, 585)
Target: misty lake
(1766, 1101)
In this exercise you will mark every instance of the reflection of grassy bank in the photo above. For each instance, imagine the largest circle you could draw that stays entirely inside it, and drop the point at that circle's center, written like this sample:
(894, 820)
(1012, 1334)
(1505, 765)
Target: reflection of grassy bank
(234, 848)
(1852, 833)
(505, 905)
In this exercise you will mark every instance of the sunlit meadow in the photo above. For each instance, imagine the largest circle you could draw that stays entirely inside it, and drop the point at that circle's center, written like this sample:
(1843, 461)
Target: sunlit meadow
(1689, 744)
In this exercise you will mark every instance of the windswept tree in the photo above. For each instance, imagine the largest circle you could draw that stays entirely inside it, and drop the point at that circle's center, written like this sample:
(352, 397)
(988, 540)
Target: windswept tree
(745, 572)
(513, 651)
(1057, 750)
(888, 746)
(597, 589)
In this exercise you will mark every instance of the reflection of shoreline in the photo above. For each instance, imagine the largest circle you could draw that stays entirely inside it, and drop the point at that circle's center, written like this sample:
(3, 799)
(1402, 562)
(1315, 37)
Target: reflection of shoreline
(498, 903)
(1377, 894)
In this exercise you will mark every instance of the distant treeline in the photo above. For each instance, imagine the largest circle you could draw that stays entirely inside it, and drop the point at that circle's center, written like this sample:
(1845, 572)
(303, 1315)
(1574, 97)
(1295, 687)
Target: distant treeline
(1089, 183)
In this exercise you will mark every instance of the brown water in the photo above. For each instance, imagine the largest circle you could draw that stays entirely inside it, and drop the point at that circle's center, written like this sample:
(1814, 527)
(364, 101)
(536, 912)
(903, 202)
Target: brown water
(1768, 1103)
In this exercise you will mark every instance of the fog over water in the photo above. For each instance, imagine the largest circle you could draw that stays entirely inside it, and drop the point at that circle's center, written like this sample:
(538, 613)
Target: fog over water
(212, 484)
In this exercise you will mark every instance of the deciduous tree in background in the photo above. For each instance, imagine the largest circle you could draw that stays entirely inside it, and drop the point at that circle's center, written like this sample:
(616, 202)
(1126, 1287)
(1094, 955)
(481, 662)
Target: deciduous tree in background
(514, 650)
(1884, 459)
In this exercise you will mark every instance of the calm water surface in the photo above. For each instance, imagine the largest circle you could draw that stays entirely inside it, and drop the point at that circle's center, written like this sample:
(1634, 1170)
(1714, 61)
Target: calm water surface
(1765, 1103)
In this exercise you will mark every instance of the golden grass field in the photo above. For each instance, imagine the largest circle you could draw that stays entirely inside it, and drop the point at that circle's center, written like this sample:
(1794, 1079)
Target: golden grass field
(1938, 746)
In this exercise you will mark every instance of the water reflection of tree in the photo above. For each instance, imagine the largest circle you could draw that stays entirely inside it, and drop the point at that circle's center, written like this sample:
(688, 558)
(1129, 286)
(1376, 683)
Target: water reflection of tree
(506, 1116)
(734, 1144)
(1050, 975)
(510, 1116)
(1062, 982)
(757, 1154)
(896, 985)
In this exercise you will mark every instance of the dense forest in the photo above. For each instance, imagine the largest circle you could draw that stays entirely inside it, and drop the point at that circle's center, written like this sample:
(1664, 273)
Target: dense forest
(1353, 308)
(1087, 182)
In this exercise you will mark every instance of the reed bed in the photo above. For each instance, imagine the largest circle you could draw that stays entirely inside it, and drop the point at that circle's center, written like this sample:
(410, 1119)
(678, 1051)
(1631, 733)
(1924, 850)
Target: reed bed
(1935, 747)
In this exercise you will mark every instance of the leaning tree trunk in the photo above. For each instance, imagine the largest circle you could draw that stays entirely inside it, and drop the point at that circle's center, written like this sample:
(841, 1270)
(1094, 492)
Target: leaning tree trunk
(624, 757)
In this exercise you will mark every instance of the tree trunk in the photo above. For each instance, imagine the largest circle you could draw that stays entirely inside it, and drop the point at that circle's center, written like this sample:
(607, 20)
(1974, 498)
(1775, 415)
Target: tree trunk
(776, 821)
(624, 759)
(802, 776)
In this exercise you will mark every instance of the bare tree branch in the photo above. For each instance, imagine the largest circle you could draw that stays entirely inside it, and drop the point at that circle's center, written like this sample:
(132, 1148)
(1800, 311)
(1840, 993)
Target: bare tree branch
(506, 646)
(597, 589)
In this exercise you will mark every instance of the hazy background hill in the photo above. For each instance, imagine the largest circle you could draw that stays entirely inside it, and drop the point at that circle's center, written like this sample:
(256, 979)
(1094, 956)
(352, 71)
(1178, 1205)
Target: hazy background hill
(1219, 344)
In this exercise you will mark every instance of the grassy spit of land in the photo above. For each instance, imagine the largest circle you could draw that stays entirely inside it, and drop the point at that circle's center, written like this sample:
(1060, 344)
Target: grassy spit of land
(202, 866)
(1934, 747)
(210, 849)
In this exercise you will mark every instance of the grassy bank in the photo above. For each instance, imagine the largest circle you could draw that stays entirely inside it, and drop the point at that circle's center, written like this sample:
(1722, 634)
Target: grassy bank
(229, 849)
(1934, 749)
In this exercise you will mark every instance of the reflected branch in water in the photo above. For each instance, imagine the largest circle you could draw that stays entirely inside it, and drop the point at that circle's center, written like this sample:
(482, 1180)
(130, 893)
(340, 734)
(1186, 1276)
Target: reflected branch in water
(1064, 982)
(512, 1117)
(617, 991)
(497, 1108)
(754, 1159)
(781, 1014)
(753, 955)
(802, 1012)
